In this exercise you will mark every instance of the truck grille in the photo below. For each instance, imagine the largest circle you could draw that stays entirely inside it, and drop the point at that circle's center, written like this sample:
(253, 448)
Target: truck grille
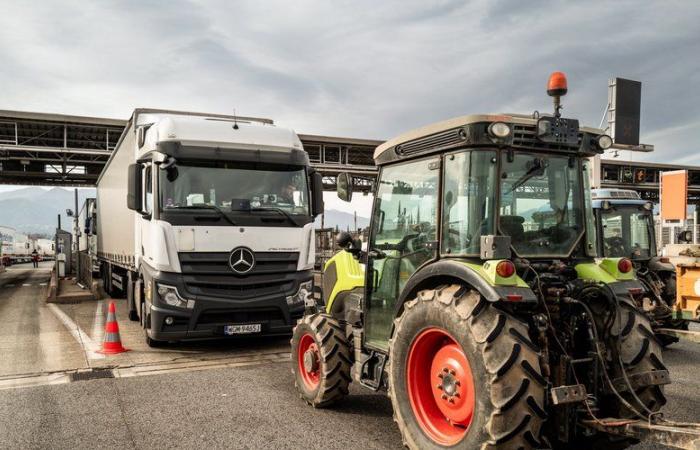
(210, 274)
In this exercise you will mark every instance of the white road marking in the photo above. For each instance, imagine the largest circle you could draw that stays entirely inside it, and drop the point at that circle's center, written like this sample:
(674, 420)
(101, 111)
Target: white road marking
(26, 285)
(89, 346)
(9, 285)
(99, 324)
(43, 284)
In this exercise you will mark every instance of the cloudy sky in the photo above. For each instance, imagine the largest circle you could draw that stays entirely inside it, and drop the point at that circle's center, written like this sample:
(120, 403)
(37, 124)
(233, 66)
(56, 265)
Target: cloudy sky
(355, 68)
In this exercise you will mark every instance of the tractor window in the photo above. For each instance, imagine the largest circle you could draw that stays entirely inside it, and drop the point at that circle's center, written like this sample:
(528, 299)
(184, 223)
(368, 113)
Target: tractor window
(403, 238)
(468, 205)
(541, 204)
(627, 233)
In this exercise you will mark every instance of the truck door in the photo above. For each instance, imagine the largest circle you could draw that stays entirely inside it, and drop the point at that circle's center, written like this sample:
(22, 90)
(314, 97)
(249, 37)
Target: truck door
(403, 238)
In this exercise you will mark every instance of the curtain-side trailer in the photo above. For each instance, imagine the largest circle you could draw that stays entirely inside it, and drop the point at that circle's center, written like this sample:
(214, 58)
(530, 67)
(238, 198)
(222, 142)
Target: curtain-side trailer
(205, 224)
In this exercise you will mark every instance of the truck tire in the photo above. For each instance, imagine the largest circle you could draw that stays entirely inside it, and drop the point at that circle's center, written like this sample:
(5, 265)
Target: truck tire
(320, 360)
(464, 374)
(640, 352)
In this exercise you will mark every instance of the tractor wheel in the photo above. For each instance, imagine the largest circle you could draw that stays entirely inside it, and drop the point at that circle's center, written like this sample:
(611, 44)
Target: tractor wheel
(640, 352)
(464, 374)
(320, 360)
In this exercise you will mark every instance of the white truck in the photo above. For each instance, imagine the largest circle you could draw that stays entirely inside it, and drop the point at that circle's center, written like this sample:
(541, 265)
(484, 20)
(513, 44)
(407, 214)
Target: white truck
(87, 238)
(205, 223)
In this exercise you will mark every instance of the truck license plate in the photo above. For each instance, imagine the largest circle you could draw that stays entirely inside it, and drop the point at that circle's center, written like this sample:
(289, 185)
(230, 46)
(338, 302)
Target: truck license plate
(242, 329)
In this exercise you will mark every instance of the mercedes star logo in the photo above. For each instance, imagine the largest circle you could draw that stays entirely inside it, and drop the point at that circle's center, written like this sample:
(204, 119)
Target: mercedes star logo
(242, 260)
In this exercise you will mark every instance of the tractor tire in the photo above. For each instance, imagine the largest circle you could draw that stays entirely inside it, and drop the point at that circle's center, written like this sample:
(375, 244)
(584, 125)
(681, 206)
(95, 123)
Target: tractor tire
(464, 374)
(640, 351)
(321, 360)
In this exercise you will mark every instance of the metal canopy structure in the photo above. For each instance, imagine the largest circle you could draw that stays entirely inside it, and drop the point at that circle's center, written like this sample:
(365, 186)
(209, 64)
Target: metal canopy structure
(644, 177)
(65, 150)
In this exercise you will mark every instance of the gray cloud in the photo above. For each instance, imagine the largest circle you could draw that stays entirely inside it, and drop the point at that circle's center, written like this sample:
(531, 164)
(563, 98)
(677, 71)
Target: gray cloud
(355, 68)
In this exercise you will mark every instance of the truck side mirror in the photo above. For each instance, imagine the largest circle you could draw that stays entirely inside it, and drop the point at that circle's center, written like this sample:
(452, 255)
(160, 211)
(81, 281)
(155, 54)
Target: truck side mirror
(344, 186)
(134, 195)
(317, 193)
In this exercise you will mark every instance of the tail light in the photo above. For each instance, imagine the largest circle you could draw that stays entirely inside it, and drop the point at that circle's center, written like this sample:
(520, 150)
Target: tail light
(505, 269)
(625, 265)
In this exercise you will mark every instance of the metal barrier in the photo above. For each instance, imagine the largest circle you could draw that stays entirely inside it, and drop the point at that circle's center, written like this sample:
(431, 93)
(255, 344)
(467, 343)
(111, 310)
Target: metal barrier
(85, 275)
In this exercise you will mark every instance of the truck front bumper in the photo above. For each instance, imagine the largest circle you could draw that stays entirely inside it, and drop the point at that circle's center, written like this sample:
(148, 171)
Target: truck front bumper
(209, 315)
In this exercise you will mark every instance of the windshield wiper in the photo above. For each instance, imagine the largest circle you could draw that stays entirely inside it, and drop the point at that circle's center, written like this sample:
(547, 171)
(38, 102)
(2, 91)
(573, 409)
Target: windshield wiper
(211, 207)
(536, 168)
(278, 210)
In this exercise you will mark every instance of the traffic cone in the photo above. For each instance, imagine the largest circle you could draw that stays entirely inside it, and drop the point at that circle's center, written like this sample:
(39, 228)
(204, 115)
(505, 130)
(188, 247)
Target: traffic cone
(112, 342)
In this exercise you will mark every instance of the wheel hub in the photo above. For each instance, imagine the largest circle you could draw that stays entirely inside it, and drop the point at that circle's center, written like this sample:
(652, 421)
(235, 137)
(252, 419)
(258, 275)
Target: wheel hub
(310, 361)
(441, 386)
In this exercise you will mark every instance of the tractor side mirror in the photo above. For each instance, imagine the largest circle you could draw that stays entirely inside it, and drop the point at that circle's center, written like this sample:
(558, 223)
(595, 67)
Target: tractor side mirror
(344, 186)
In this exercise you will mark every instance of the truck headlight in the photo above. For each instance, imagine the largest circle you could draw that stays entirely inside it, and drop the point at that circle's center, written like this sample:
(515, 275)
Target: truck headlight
(171, 296)
(305, 290)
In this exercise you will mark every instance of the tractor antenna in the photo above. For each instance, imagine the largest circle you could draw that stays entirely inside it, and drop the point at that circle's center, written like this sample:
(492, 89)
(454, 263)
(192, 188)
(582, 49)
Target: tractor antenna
(557, 88)
(235, 122)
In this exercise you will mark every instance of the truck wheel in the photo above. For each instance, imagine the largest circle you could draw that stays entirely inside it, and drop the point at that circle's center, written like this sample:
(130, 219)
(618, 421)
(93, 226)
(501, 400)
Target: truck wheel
(320, 360)
(640, 352)
(464, 374)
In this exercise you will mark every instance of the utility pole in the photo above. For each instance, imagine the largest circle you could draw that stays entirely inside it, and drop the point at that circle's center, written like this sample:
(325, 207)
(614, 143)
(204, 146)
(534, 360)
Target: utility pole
(76, 226)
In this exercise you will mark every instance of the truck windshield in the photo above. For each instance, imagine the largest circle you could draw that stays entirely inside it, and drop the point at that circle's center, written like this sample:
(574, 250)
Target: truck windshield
(235, 187)
(627, 233)
(541, 204)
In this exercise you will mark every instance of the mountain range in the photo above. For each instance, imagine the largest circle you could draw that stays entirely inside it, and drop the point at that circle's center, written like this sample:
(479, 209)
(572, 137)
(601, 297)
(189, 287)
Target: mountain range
(34, 210)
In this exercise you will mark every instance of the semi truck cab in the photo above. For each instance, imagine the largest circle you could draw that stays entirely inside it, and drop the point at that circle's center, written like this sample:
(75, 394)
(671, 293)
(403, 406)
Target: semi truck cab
(223, 239)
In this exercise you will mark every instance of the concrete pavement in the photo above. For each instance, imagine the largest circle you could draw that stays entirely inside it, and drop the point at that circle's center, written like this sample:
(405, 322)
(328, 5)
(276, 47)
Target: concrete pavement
(225, 394)
(242, 407)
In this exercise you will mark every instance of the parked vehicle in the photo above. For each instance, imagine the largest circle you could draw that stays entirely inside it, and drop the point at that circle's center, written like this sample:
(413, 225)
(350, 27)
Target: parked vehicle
(205, 223)
(480, 304)
(87, 240)
(626, 227)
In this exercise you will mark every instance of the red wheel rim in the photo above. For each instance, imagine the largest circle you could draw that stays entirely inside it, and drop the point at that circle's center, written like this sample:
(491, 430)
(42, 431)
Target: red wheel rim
(440, 386)
(309, 361)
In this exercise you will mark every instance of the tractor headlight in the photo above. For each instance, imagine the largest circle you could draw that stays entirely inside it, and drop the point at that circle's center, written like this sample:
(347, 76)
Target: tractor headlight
(499, 130)
(305, 290)
(170, 296)
(605, 141)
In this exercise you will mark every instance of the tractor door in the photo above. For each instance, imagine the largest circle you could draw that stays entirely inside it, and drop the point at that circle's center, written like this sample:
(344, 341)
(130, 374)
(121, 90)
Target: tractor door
(404, 235)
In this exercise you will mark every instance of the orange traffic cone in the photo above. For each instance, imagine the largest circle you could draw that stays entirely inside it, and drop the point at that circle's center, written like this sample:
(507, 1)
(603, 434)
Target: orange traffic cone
(112, 342)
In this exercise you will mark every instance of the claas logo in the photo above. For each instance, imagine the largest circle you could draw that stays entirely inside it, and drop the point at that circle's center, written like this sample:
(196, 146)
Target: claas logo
(640, 175)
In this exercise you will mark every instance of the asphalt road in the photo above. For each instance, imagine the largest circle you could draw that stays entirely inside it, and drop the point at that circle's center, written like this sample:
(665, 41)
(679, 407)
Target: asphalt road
(243, 407)
(250, 404)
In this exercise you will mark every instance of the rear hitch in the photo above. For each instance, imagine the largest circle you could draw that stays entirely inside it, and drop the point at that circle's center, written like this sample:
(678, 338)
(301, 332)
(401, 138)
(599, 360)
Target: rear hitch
(673, 434)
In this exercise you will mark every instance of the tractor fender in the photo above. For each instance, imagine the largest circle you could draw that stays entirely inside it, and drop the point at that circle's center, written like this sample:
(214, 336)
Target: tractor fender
(656, 265)
(449, 271)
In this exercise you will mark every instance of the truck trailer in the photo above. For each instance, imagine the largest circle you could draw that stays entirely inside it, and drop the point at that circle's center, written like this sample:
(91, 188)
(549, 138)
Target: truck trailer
(205, 224)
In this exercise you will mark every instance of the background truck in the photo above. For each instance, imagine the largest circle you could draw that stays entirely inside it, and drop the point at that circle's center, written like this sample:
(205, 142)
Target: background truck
(205, 224)
(87, 238)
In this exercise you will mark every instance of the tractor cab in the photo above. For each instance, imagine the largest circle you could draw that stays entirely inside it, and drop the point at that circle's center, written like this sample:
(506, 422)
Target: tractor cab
(481, 303)
(625, 225)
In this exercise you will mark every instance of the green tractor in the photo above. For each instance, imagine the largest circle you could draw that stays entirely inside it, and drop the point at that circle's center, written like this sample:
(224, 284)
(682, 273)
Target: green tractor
(480, 304)
(626, 228)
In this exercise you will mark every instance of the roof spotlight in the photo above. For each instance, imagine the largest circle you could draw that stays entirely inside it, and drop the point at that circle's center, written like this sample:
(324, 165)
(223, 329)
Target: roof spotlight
(499, 130)
(605, 141)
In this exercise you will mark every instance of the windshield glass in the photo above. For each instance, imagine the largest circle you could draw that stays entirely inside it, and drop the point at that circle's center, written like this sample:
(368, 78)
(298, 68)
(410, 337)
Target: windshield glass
(468, 200)
(627, 233)
(540, 207)
(234, 186)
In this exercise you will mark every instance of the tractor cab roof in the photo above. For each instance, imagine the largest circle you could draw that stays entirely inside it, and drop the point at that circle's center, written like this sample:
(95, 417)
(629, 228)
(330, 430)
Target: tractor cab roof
(476, 131)
(619, 197)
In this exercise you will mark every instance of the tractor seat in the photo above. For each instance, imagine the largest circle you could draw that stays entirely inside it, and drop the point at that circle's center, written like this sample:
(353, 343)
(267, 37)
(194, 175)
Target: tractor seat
(512, 226)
